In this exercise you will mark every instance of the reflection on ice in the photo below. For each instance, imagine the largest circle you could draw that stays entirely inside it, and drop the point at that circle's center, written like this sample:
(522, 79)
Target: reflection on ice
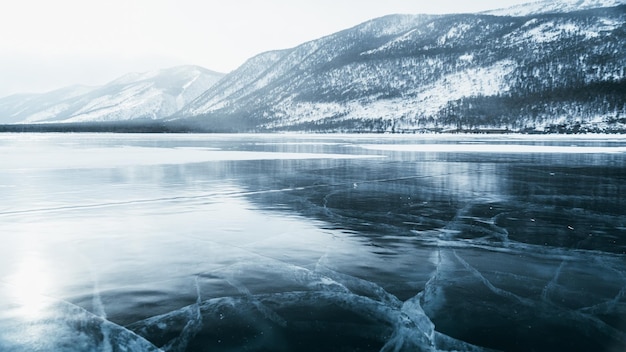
(29, 285)
(61, 326)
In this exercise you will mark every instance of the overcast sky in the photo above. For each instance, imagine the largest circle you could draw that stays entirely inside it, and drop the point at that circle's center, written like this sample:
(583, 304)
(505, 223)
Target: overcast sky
(47, 44)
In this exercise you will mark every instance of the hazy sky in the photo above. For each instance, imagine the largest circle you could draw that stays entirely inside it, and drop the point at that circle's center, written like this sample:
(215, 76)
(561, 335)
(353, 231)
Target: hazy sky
(50, 44)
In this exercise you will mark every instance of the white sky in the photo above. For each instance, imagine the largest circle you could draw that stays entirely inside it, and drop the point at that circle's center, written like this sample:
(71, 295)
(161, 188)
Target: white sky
(48, 44)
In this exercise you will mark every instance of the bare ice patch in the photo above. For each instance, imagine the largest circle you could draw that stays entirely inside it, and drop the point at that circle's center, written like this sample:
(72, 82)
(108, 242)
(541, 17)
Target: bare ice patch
(56, 157)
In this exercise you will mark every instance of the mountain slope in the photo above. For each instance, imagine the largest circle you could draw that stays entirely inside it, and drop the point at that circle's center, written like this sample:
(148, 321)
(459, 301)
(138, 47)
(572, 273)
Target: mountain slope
(432, 72)
(151, 95)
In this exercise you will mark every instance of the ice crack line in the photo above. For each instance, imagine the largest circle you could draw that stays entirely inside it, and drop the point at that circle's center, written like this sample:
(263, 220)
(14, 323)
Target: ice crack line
(550, 286)
(490, 286)
(191, 329)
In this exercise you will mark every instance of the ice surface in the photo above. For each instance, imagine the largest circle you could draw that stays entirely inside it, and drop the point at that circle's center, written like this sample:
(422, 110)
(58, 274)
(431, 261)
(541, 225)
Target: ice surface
(284, 242)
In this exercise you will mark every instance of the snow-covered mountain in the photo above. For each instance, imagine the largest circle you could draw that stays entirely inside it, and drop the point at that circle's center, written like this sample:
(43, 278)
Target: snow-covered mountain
(546, 66)
(151, 95)
(540, 71)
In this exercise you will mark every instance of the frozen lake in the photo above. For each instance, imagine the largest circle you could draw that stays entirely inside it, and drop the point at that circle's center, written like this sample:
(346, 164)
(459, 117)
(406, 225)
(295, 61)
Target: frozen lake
(312, 243)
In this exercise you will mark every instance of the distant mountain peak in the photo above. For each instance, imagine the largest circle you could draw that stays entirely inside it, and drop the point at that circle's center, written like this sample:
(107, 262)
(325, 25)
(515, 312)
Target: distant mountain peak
(553, 6)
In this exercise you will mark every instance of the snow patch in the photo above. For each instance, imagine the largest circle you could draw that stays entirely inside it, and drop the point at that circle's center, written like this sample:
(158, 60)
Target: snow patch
(467, 57)
(485, 81)
(454, 33)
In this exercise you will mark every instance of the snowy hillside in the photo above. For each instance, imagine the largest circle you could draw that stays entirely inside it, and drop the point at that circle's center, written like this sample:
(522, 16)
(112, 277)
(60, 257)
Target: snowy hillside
(400, 73)
(239, 82)
(151, 95)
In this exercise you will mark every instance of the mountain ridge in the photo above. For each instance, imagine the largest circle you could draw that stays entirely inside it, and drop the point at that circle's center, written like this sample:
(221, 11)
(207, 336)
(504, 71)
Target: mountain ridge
(412, 72)
(148, 95)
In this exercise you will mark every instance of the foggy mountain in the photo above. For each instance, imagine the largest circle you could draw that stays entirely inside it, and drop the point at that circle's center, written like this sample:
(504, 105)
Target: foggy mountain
(151, 95)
